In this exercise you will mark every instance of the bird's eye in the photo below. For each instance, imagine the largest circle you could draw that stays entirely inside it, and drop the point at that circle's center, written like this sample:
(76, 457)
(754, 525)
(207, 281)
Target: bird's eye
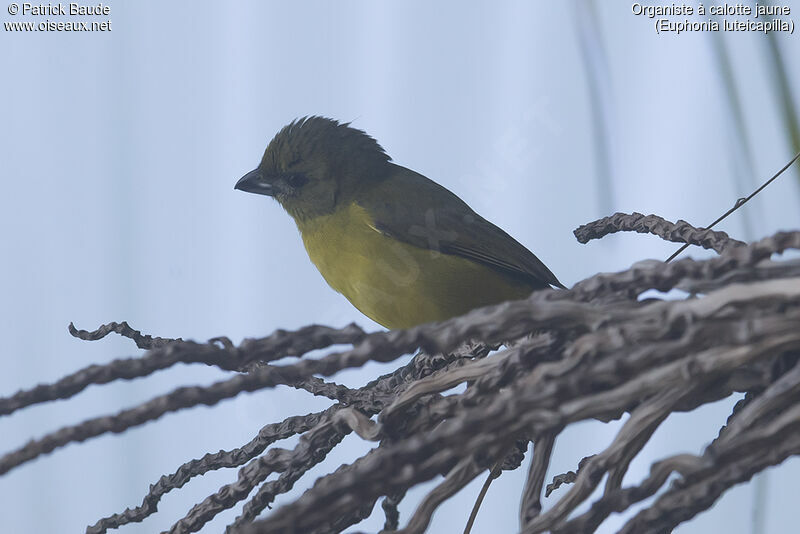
(297, 180)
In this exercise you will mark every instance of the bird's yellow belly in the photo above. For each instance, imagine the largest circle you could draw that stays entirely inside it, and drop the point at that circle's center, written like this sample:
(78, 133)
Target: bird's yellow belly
(396, 284)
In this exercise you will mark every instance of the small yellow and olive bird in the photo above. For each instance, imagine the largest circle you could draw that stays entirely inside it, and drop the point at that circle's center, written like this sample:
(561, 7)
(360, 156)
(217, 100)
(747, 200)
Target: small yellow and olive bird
(403, 249)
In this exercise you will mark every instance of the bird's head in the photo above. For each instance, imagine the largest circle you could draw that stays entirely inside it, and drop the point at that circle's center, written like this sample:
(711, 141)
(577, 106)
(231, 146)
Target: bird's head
(314, 164)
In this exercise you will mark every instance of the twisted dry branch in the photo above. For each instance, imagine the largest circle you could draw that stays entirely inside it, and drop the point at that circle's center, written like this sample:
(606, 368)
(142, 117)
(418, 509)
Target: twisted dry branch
(592, 352)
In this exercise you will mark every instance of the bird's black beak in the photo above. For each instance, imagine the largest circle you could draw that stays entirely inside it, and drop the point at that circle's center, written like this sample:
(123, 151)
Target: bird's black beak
(254, 182)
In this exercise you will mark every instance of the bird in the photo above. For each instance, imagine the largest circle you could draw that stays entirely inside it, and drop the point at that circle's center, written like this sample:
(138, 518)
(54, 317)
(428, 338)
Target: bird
(401, 248)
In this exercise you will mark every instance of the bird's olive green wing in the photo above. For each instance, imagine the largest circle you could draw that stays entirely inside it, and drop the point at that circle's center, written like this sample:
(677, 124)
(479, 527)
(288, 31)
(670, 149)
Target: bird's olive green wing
(409, 207)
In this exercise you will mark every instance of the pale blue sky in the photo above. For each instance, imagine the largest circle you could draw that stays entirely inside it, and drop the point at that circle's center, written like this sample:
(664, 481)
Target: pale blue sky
(119, 152)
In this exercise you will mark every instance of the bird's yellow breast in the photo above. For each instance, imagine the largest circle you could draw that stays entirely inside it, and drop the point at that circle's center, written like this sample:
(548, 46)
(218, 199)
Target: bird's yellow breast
(396, 284)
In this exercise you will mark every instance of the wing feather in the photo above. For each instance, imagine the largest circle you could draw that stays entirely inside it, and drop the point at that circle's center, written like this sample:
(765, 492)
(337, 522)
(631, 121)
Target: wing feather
(433, 218)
